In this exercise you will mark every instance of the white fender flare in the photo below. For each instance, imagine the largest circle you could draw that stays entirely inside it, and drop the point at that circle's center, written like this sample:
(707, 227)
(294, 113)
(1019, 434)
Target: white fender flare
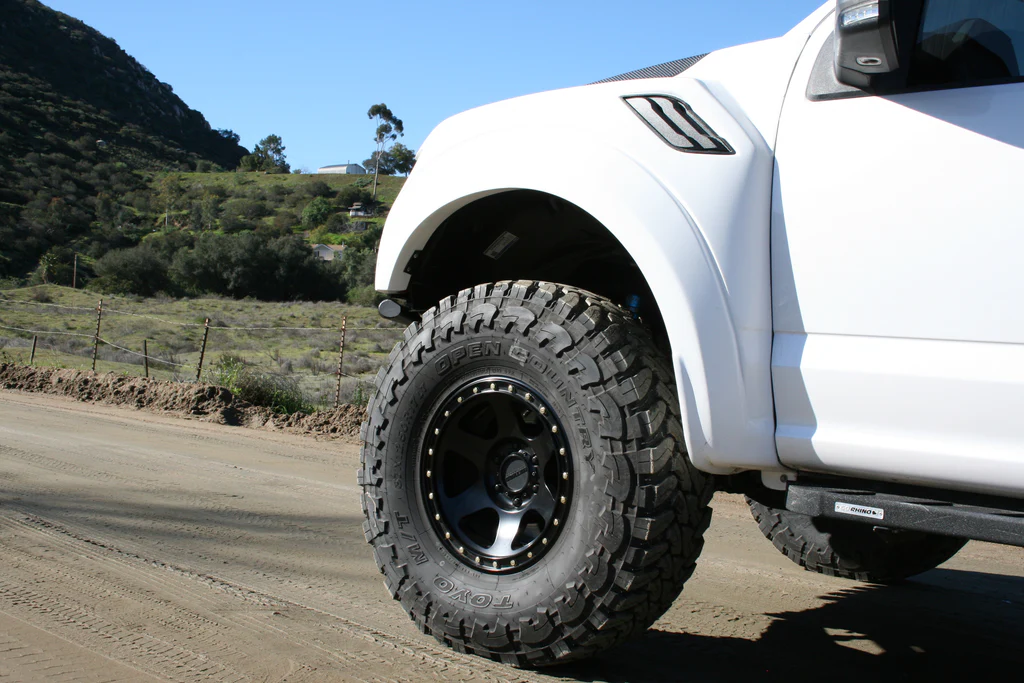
(652, 223)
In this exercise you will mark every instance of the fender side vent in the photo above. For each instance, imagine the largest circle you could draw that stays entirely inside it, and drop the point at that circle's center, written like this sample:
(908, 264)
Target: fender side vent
(677, 124)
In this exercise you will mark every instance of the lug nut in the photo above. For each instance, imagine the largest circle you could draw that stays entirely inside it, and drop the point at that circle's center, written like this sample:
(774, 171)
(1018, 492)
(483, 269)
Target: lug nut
(536, 459)
(536, 487)
(517, 501)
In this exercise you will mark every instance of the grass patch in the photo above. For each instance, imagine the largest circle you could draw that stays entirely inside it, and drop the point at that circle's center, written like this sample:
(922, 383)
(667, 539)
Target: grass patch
(305, 359)
(387, 186)
(276, 391)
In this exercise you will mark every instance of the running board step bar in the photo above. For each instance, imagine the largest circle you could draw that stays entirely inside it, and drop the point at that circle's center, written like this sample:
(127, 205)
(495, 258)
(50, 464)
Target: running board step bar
(967, 516)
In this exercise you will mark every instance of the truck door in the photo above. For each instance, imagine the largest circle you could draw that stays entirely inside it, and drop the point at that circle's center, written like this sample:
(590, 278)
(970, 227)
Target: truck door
(898, 256)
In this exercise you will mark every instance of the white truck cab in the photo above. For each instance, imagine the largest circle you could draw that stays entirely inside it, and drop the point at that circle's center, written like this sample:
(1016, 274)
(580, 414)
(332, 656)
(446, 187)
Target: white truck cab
(790, 269)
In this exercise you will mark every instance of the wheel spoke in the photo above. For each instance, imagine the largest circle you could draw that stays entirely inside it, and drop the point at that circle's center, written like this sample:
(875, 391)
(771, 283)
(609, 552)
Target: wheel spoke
(471, 447)
(543, 503)
(508, 420)
(508, 529)
(471, 500)
(545, 450)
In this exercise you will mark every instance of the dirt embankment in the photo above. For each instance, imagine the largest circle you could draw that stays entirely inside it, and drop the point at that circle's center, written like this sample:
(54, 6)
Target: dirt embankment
(206, 402)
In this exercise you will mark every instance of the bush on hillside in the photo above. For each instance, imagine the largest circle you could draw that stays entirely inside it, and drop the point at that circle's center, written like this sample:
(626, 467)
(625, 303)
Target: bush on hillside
(139, 270)
(316, 212)
(350, 194)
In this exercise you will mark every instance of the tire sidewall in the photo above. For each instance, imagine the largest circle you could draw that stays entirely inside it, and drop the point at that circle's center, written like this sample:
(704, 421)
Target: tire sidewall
(439, 573)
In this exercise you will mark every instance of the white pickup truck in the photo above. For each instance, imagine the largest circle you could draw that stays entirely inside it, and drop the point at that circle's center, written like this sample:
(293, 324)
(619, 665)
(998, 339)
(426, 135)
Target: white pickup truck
(792, 269)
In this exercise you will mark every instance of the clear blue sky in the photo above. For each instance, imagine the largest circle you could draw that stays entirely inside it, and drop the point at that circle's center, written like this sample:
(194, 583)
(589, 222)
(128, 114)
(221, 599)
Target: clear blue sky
(308, 70)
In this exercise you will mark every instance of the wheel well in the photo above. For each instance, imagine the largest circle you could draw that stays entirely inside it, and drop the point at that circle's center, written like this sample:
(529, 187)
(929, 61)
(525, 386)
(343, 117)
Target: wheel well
(557, 241)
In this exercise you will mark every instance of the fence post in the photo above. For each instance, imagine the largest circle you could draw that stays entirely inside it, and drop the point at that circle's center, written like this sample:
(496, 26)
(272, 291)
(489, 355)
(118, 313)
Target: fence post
(202, 350)
(145, 357)
(32, 358)
(96, 337)
(341, 360)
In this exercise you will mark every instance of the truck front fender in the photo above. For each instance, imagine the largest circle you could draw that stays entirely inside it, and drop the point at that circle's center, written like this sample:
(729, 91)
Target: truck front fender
(696, 226)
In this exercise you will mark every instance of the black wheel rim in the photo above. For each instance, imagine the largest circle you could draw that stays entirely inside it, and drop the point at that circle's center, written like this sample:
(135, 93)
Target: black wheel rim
(495, 474)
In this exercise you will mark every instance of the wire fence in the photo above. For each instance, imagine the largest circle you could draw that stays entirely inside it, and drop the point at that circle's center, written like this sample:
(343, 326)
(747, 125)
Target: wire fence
(133, 342)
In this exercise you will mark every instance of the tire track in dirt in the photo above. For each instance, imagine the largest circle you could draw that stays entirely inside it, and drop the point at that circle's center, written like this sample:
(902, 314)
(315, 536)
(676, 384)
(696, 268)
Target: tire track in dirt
(206, 627)
(129, 540)
(132, 575)
(421, 649)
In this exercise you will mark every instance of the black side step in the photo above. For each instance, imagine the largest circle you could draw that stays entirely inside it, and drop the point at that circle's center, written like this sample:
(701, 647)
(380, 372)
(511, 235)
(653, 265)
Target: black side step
(981, 518)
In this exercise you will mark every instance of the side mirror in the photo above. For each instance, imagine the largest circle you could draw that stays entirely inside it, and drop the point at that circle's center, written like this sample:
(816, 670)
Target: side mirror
(865, 41)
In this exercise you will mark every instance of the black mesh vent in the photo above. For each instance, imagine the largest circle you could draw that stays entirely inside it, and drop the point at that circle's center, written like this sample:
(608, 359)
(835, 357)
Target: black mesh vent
(666, 70)
(677, 124)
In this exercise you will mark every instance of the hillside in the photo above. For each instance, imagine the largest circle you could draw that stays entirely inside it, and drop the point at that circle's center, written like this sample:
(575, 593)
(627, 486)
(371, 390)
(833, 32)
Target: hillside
(78, 119)
(105, 172)
(64, 78)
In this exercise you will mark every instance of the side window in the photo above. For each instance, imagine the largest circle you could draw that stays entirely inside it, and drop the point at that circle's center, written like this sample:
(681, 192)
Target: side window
(968, 42)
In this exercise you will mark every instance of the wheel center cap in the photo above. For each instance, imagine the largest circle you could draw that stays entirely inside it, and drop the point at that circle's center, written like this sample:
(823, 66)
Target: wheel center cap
(515, 473)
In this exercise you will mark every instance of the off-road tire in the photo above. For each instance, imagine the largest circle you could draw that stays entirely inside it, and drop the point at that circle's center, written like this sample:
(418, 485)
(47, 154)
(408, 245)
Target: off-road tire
(639, 510)
(852, 550)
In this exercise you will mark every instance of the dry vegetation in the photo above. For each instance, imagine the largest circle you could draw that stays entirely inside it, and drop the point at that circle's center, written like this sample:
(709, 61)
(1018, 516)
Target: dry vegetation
(305, 359)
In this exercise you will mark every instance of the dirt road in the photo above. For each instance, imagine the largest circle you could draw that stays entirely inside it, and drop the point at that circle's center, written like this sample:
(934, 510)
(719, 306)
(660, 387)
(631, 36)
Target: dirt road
(138, 547)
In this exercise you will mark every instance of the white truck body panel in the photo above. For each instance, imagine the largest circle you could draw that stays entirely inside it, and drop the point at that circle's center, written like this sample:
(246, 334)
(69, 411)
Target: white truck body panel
(897, 284)
(760, 260)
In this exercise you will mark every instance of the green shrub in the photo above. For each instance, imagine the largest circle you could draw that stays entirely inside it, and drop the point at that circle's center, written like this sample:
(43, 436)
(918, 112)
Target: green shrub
(365, 296)
(139, 270)
(350, 194)
(316, 212)
(361, 394)
(277, 392)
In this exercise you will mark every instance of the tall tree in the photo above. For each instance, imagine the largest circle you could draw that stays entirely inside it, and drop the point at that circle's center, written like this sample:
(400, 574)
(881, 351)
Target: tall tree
(389, 129)
(380, 163)
(267, 155)
(402, 158)
(228, 134)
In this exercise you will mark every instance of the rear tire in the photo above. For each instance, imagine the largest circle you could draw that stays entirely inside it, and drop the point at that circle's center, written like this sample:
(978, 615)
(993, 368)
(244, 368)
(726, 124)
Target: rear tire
(851, 550)
(616, 522)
